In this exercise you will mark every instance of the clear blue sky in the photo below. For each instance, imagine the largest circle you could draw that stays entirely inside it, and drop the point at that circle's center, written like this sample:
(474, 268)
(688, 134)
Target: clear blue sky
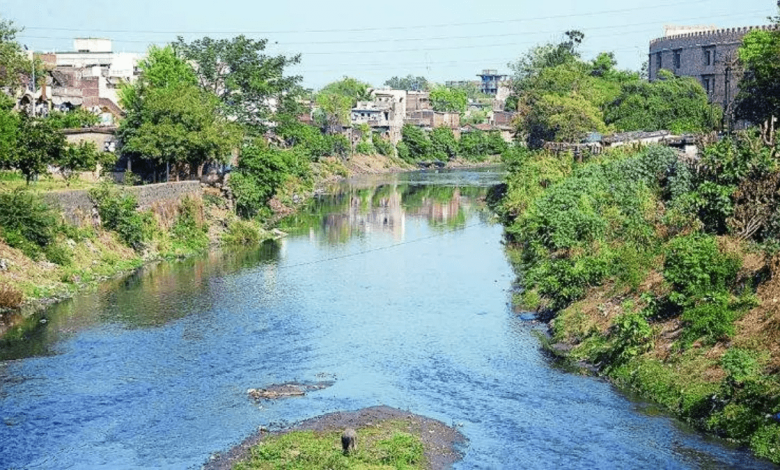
(373, 41)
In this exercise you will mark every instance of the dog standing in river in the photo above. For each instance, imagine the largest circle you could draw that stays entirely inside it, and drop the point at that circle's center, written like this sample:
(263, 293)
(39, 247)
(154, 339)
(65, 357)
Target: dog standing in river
(349, 441)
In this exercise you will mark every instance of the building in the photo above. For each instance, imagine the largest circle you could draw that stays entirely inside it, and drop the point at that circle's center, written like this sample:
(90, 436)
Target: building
(417, 101)
(704, 52)
(490, 81)
(88, 77)
(385, 114)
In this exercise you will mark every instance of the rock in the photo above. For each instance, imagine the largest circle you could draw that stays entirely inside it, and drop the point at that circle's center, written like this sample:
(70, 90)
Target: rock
(288, 390)
(4, 265)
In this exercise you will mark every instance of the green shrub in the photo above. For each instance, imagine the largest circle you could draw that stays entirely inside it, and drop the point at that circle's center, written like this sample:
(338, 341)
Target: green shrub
(189, 232)
(384, 147)
(631, 336)
(695, 267)
(740, 365)
(59, 254)
(27, 222)
(242, 232)
(417, 142)
(443, 144)
(403, 151)
(474, 145)
(339, 145)
(365, 148)
(119, 212)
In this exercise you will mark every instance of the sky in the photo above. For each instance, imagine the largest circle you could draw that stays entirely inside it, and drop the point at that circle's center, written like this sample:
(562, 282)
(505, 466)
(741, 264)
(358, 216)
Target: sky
(373, 41)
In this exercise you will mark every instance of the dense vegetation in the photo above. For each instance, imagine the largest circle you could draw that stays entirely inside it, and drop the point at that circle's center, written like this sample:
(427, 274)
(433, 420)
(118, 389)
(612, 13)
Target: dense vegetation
(559, 96)
(649, 262)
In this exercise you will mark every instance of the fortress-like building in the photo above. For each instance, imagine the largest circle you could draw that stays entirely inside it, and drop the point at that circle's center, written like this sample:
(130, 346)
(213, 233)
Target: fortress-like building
(707, 53)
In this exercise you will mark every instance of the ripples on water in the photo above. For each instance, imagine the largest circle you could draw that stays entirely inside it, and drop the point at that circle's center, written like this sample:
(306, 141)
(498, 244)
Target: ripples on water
(397, 287)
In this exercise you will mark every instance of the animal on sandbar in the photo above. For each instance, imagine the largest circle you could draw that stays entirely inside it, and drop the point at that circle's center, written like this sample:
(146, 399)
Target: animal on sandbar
(349, 440)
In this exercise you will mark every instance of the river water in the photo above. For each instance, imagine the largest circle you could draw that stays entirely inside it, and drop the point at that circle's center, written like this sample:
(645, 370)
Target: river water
(396, 288)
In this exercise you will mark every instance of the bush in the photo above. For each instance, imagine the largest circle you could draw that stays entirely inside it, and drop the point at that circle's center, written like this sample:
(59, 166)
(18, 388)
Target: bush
(696, 268)
(59, 254)
(417, 143)
(119, 212)
(474, 145)
(189, 231)
(9, 297)
(261, 171)
(27, 222)
(241, 232)
(340, 145)
(365, 148)
(383, 146)
(444, 144)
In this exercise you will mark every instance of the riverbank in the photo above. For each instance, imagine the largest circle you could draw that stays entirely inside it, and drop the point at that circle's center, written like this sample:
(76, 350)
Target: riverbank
(377, 429)
(641, 285)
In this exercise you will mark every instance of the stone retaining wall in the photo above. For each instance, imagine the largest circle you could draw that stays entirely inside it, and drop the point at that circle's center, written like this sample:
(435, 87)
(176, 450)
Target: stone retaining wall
(163, 199)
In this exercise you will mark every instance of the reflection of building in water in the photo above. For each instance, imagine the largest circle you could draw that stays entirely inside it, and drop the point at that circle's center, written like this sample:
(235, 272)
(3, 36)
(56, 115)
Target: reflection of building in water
(378, 211)
(439, 211)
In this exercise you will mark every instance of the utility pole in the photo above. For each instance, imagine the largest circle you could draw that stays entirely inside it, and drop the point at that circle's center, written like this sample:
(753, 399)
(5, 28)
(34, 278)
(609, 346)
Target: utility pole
(33, 85)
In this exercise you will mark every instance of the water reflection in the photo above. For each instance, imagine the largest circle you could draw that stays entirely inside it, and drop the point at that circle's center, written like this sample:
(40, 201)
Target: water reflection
(152, 296)
(361, 206)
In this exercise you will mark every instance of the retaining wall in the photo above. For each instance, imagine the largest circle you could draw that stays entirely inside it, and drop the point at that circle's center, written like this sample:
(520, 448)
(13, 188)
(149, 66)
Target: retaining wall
(163, 199)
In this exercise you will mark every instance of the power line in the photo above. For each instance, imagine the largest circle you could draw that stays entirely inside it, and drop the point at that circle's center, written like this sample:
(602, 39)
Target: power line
(388, 28)
(381, 248)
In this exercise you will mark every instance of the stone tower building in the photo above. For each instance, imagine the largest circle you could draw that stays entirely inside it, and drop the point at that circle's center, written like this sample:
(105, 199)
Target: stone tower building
(706, 53)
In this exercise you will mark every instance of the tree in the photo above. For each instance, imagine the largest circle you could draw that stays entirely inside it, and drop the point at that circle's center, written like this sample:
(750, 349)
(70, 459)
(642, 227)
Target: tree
(249, 83)
(678, 104)
(443, 143)
(416, 144)
(72, 119)
(14, 63)
(170, 119)
(449, 100)
(546, 56)
(9, 128)
(38, 145)
(759, 96)
(408, 83)
(337, 99)
(82, 157)
(562, 118)
(180, 124)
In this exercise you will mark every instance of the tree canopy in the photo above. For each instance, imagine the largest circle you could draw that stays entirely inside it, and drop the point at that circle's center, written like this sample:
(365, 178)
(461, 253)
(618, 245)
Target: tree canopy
(249, 84)
(678, 104)
(759, 96)
(335, 100)
(449, 100)
(408, 83)
(170, 119)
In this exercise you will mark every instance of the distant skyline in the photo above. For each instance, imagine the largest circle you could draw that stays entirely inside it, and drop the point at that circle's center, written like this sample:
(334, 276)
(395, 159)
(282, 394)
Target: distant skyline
(440, 40)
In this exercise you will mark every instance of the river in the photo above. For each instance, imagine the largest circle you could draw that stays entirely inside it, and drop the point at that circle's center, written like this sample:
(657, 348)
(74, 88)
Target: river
(396, 288)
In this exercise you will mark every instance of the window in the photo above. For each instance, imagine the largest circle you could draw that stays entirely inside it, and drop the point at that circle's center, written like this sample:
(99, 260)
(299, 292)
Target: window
(658, 61)
(708, 82)
(709, 56)
(677, 58)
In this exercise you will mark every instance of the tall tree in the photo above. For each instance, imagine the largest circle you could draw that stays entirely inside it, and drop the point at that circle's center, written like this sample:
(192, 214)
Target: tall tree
(14, 64)
(250, 84)
(759, 96)
(170, 119)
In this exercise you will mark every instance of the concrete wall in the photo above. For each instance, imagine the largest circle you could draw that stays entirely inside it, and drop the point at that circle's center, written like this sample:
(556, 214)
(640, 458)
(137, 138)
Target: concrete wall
(162, 199)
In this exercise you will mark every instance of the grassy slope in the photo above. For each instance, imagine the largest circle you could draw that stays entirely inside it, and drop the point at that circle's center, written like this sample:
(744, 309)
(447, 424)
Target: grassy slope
(727, 386)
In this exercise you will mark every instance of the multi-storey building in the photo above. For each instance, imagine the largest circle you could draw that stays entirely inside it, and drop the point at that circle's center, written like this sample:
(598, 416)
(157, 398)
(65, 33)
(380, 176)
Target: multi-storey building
(704, 52)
